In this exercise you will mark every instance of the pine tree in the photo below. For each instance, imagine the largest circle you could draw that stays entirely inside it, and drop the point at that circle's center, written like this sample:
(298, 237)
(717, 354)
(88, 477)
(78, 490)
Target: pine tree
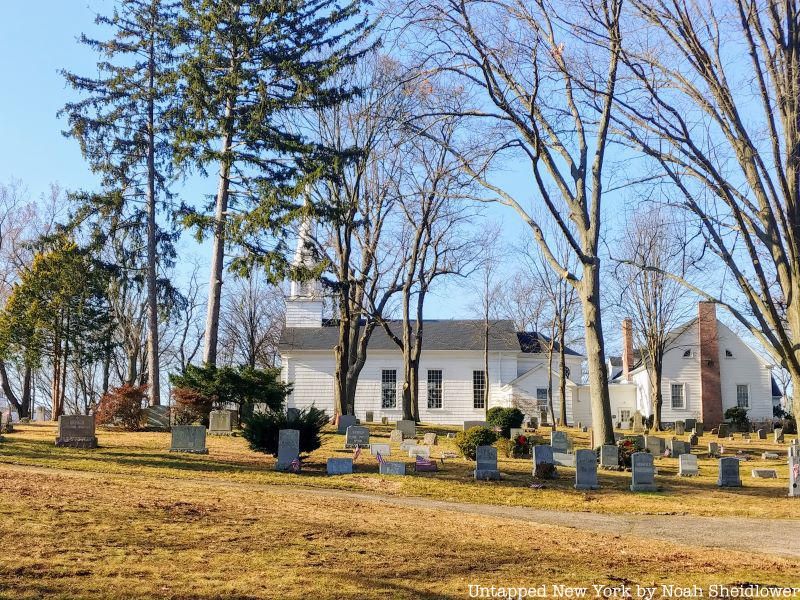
(123, 126)
(249, 66)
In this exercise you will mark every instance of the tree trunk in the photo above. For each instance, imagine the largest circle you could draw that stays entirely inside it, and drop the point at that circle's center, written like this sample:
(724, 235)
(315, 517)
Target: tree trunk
(218, 251)
(656, 395)
(562, 380)
(595, 355)
(796, 396)
(550, 381)
(23, 403)
(153, 371)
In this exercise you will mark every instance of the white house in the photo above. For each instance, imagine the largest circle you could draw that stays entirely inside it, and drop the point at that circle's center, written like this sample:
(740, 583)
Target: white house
(707, 370)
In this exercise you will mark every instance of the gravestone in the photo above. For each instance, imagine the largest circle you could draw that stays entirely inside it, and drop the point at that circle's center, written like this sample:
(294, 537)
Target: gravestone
(687, 465)
(723, 431)
(729, 472)
(559, 441)
(680, 427)
(643, 472)
(356, 436)
(713, 449)
(344, 422)
(693, 440)
(778, 433)
(291, 413)
(288, 448)
(429, 439)
(220, 422)
(698, 428)
(406, 445)
(157, 417)
(189, 438)
(586, 470)
(609, 457)
(762, 434)
(654, 444)
(384, 420)
(470, 424)
(423, 451)
(794, 476)
(690, 424)
(425, 465)
(564, 459)
(486, 463)
(382, 449)
(340, 466)
(746, 435)
(76, 431)
(764, 474)
(794, 449)
(515, 432)
(392, 468)
(638, 427)
(5, 422)
(678, 447)
(769, 456)
(396, 436)
(42, 414)
(370, 416)
(542, 459)
(408, 427)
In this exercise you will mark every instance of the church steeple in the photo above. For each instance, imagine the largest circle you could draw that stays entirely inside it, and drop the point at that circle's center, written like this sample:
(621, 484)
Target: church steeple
(304, 304)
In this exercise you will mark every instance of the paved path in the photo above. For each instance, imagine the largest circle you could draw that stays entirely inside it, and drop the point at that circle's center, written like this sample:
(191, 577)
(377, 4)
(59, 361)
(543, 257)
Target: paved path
(768, 536)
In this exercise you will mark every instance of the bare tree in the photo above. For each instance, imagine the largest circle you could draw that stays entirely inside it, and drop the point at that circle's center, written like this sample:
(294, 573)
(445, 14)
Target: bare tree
(652, 245)
(715, 104)
(545, 74)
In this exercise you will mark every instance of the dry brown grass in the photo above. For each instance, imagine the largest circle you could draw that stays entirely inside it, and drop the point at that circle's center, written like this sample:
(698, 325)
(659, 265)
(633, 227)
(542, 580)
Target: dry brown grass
(100, 535)
(229, 459)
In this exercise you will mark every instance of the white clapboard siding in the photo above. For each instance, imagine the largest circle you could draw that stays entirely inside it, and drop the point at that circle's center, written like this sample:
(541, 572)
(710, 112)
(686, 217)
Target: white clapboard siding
(745, 368)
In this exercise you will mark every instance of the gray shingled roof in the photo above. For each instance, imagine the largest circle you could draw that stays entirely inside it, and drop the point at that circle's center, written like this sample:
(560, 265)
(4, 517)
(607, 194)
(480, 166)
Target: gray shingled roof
(437, 335)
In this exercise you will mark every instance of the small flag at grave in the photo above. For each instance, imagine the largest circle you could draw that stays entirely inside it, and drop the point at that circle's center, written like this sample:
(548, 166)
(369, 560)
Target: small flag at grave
(356, 452)
(380, 458)
(796, 470)
(294, 466)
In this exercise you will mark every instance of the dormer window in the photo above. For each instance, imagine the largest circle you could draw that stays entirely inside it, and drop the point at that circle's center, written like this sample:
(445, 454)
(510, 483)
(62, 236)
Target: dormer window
(728, 354)
(687, 353)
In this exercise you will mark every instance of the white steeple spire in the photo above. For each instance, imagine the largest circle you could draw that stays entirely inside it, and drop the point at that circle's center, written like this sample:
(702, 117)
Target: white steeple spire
(304, 304)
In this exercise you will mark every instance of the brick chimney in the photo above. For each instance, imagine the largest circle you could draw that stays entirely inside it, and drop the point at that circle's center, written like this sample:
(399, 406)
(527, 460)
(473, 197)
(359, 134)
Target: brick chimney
(710, 386)
(627, 349)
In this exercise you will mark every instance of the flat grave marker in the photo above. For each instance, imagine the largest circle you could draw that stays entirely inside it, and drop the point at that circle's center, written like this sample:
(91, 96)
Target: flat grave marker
(392, 468)
(340, 466)
(382, 449)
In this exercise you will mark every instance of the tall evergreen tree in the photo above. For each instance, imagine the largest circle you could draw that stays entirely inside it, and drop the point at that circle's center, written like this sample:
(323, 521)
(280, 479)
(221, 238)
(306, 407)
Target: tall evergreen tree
(122, 124)
(248, 66)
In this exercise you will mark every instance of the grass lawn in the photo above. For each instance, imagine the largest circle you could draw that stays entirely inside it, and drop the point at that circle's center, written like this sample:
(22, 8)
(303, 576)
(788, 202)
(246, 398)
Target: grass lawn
(229, 459)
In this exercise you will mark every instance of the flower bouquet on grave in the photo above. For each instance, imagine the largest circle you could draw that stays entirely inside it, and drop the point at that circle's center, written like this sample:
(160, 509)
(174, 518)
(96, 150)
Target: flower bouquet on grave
(545, 471)
(626, 448)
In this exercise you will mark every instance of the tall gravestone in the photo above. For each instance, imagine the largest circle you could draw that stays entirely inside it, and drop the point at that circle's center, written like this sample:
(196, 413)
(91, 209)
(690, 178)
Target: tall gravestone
(76, 431)
(220, 422)
(778, 433)
(713, 449)
(762, 434)
(699, 428)
(344, 422)
(189, 438)
(693, 440)
(729, 472)
(288, 449)
(654, 445)
(609, 457)
(356, 436)
(586, 470)
(687, 465)
(690, 424)
(638, 425)
(408, 427)
(680, 427)
(723, 431)
(486, 463)
(643, 472)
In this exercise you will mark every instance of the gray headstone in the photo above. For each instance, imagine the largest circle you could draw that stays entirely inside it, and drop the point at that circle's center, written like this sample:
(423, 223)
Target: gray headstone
(762, 434)
(340, 466)
(406, 445)
(609, 456)
(423, 451)
(356, 436)
(346, 421)
(680, 427)
(470, 424)
(678, 447)
(76, 431)
(382, 449)
(729, 472)
(392, 468)
(693, 441)
(687, 465)
(408, 427)
(157, 417)
(690, 424)
(189, 438)
(643, 472)
(778, 433)
(384, 420)
(396, 436)
(559, 441)
(723, 431)
(794, 476)
(429, 439)
(764, 474)
(564, 459)
(713, 449)
(699, 428)
(586, 470)
(654, 444)
(292, 413)
(542, 454)
(288, 448)
(638, 426)
(220, 422)
(770, 456)
(370, 416)
(486, 463)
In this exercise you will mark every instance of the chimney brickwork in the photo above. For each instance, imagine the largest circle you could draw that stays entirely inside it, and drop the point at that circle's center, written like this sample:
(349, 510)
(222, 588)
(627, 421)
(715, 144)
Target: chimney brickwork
(627, 349)
(710, 384)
